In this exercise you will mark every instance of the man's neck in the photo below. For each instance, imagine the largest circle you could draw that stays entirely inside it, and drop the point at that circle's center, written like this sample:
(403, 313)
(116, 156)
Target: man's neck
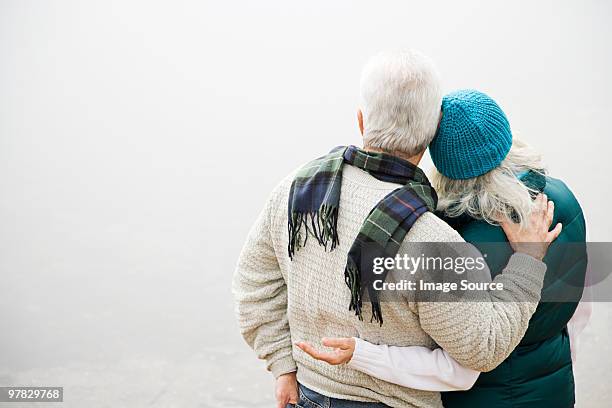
(412, 159)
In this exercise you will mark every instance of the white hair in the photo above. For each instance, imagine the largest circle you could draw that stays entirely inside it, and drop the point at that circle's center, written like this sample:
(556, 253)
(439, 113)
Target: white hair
(494, 196)
(401, 98)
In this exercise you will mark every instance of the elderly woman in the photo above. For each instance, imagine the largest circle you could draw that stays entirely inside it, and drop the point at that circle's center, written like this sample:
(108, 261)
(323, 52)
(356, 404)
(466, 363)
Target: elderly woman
(483, 178)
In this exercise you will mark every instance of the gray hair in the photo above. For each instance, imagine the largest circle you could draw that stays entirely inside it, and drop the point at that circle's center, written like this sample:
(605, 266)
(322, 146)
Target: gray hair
(495, 196)
(401, 98)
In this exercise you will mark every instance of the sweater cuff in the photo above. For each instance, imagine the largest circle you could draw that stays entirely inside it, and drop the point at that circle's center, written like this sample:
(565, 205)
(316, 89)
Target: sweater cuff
(282, 366)
(528, 275)
(365, 356)
(528, 267)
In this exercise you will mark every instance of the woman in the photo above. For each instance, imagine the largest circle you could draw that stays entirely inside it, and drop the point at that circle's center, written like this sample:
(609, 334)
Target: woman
(484, 177)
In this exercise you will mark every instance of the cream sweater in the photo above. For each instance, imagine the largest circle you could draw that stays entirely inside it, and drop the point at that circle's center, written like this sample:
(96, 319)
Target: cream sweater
(280, 301)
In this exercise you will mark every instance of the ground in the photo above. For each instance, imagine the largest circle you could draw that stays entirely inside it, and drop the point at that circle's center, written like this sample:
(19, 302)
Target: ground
(231, 377)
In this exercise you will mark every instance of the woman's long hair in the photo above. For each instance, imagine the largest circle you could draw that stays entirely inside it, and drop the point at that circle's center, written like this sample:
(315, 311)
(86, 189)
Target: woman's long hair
(495, 196)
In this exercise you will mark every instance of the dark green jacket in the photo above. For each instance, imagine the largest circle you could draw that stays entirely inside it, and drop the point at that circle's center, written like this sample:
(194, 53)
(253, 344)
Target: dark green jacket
(538, 373)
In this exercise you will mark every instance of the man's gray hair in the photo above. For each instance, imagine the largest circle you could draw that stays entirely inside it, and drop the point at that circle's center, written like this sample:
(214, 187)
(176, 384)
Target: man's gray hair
(401, 98)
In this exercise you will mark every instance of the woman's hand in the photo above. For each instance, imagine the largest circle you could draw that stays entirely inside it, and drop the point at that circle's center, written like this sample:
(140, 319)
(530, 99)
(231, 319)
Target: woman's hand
(342, 353)
(286, 390)
(535, 238)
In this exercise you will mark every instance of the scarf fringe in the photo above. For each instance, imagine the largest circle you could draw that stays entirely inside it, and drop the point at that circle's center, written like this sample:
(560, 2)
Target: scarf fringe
(376, 313)
(321, 224)
(352, 278)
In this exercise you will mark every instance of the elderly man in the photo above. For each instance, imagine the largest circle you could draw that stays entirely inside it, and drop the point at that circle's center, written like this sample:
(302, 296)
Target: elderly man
(290, 288)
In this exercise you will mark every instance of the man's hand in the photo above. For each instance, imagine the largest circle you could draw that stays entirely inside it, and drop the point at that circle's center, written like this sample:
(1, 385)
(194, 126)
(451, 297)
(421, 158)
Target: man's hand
(342, 353)
(535, 238)
(286, 390)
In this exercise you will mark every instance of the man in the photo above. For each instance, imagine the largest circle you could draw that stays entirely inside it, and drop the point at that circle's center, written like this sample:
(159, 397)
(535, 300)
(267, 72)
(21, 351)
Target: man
(289, 288)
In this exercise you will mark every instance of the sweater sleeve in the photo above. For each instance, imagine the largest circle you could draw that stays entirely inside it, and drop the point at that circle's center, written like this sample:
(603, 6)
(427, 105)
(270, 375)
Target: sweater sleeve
(414, 367)
(260, 294)
(481, 334)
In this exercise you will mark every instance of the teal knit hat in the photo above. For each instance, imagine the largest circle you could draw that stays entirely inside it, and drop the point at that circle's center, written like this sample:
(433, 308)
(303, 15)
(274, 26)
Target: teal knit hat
(474, 135)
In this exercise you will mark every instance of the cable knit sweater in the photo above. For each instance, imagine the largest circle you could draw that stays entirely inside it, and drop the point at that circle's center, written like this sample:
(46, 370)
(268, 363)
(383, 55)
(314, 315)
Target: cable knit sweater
(280, 301)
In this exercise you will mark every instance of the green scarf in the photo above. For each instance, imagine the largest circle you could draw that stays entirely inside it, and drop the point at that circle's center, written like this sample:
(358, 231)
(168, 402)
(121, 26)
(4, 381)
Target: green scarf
(314, 201)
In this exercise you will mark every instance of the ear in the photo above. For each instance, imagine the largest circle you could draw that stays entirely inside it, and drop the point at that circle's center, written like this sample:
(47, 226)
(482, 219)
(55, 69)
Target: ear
(360, 120)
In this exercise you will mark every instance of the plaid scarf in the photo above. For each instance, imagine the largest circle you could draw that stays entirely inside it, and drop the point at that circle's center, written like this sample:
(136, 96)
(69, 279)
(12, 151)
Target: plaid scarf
(313, 210)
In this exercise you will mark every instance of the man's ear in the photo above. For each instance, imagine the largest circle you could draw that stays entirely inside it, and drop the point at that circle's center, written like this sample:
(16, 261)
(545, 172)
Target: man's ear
(360, 120)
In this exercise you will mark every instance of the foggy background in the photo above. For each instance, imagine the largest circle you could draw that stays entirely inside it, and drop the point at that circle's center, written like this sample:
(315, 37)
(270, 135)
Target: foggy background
(139, 140)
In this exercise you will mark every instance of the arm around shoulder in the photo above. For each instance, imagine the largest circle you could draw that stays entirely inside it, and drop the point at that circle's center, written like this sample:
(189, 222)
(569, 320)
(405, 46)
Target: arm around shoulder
(481, 334)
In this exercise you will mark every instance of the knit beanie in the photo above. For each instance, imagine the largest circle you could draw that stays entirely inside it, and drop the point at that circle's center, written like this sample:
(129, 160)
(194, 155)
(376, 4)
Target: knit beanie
(474, 135)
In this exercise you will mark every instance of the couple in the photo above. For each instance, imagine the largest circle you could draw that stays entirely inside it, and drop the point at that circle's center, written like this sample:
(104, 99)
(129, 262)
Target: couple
(506, 350)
